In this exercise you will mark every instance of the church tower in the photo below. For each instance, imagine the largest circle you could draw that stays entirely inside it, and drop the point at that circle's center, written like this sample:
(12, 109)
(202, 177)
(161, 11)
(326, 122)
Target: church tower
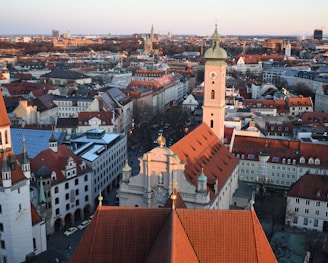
(215, 85)
(15, 215)
(288, 50)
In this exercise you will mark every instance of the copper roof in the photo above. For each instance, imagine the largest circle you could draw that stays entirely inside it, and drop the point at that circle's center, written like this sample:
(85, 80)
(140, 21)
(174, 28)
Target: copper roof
(135, 234)
(201, 148)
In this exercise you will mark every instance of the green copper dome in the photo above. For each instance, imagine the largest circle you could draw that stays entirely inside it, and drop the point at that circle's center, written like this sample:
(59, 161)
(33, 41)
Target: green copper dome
(215, 51)
(202, 177)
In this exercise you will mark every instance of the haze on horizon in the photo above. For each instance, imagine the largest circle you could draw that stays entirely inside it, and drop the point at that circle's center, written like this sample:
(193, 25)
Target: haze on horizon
(239, 17)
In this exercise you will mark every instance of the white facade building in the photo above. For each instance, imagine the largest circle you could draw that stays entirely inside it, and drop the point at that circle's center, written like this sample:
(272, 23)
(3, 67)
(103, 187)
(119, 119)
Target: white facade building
(307, 203)
(105, 154)
(17, 235)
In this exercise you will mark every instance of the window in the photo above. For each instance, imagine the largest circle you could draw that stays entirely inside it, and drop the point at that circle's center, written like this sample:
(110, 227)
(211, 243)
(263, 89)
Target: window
(316, 212)
(85, 178)
(212, 94)
(67, 207)
(1, 227)
(57, 211)
(56, 190)
(306, 211)
(295, 219)
(316, 222)
(296, 209)
(67, 196)
(86, 188)
(307, 202)
(34, 244)
(77, 202)
(317, 203)
(305, 222)
(77, 192)
(86, 198)
(76, 181)
(1, 208)
(3, 244)
(66, 185)
(57, 201)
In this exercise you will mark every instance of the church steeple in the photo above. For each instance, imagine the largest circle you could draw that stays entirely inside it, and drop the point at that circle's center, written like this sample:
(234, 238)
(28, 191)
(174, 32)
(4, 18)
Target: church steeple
(126, 172)
(215, 85)
(26, 168)
(53, 143)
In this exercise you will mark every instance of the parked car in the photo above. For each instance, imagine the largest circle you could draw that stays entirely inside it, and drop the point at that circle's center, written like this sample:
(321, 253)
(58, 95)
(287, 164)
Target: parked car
(70, 231)
(83, 225)
(90, 218)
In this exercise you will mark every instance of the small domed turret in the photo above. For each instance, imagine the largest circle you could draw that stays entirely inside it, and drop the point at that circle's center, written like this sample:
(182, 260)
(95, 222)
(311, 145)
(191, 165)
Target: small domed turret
(215, 51)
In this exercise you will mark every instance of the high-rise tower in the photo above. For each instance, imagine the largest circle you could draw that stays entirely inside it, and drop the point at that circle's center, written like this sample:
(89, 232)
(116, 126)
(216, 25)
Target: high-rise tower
(215, 85)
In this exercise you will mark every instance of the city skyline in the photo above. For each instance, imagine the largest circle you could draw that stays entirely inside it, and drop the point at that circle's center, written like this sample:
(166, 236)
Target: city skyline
(101, 17)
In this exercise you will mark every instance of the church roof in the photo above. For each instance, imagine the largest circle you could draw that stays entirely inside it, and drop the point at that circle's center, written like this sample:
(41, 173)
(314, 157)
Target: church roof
(135, 234)
(201, 148)
(4, 120)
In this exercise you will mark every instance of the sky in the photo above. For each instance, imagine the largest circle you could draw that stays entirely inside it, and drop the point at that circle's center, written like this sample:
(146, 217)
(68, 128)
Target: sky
(126, 17)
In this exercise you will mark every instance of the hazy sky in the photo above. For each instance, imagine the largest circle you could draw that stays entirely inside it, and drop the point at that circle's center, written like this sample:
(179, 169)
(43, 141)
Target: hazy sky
(239, 17)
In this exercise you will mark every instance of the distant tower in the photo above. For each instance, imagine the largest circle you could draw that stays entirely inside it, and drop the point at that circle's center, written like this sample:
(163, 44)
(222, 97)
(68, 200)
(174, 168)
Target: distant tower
(288, 50)
(53, 143)
(152, 34)
(215, 85)
(25, 165)
(317, 34)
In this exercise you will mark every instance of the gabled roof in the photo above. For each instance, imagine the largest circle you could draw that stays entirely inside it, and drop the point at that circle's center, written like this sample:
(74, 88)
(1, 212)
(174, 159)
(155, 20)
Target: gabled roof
(135, 234)
(16, 172)
(55, 161)
(201, 148)
(104, 116)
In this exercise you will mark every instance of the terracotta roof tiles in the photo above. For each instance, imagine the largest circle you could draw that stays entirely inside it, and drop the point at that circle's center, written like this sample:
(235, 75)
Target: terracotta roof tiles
(311, 186)
(201, 148)
(4, 119)
(133, 234)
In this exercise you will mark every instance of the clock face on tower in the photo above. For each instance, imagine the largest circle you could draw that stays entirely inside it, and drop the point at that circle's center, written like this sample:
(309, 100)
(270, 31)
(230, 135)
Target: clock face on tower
(213, 75)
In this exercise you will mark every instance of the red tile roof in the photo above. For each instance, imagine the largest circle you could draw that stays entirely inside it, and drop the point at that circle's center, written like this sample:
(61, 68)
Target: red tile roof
(16, 173)
(4, 119)
(135, 234)
(250, 147)
(36, 218)
(311, 186)
(300, 101)
(55, 161)
(201, 148)
(104, 116)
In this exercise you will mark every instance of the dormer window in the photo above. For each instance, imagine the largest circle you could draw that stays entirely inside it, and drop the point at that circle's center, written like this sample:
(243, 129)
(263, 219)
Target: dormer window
(311, 161)
(317, 161)
(302, 160)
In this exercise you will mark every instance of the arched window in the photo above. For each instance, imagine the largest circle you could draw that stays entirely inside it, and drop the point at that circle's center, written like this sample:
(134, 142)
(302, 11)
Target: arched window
(212, 123)
(212, 94)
